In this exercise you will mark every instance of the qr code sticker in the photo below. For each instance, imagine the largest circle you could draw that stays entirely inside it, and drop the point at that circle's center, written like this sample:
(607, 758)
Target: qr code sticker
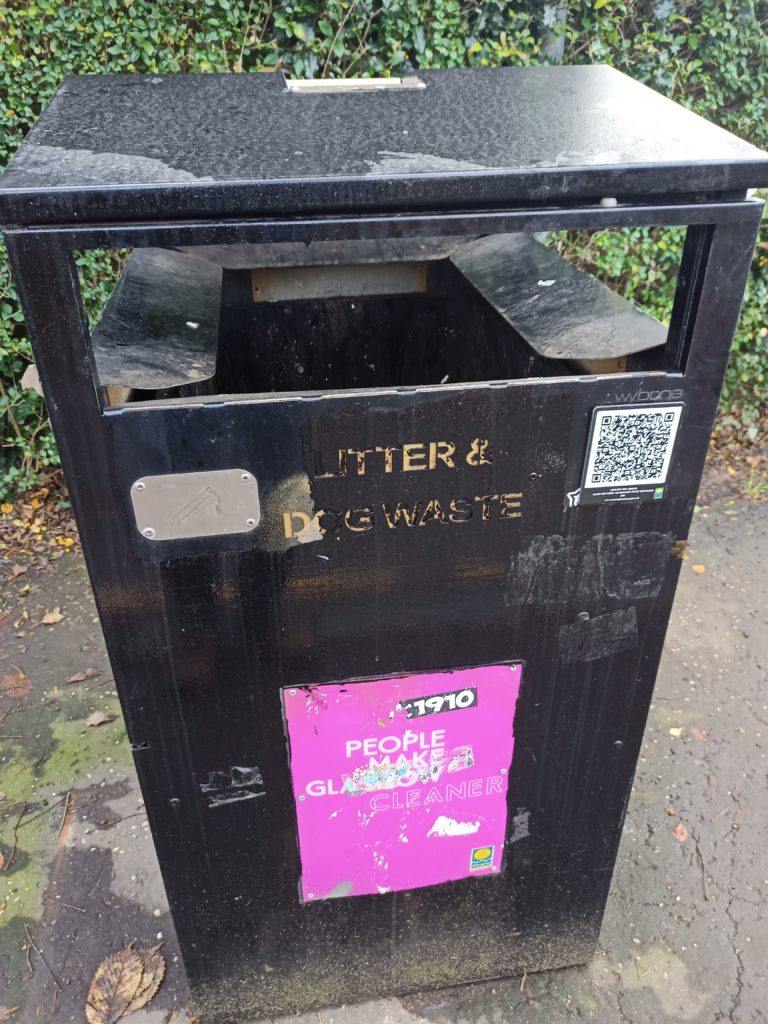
(631, 446)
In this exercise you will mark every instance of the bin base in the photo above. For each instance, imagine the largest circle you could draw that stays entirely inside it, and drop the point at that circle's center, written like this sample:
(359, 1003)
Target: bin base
(256, 995)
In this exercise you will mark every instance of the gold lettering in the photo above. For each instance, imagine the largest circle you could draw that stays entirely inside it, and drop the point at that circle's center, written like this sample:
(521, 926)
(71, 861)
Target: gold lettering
(409, 515)
(412, 452)
(320, 473)
(433, 510)
(388, 457)
(485, 501)
(509, 502)
(477, 454)
(363, 521)
(360, 455)
(288, 518)
(461, 510)
(442, 450)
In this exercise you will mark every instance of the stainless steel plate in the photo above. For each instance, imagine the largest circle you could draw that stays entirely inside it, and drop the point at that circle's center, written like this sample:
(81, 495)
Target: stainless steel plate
(175, 506)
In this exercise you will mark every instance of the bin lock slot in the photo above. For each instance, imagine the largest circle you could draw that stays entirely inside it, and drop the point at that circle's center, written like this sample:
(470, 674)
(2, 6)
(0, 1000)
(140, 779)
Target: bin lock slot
(316, 86)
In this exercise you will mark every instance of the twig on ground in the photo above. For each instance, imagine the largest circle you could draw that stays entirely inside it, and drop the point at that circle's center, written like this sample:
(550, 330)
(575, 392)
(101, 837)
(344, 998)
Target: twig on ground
(61, 903)
(39, 953)
(109, 824)
(64, 815)
(12, 854)
(703, 871)
(46, 810)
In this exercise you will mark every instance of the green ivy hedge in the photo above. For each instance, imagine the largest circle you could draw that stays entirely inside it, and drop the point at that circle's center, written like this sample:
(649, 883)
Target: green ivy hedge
(711, 55)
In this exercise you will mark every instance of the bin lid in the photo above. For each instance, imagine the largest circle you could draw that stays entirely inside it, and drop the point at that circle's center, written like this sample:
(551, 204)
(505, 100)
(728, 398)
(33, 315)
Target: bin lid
(116, 147)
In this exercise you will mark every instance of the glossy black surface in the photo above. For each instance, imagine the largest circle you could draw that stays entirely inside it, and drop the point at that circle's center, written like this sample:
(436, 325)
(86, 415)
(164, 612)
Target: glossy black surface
(123, 145)
(562, 312)
(160, 327)
(202, 634)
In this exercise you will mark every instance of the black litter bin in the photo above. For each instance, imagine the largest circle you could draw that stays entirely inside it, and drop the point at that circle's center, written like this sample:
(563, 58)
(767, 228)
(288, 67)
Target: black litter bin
(383, 500)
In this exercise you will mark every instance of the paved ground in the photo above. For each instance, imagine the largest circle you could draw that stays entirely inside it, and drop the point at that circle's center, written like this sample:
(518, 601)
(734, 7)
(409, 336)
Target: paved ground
(682, 937)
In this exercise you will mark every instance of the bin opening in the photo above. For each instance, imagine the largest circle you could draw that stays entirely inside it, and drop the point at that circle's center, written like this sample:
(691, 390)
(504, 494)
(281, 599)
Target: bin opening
(366, 314)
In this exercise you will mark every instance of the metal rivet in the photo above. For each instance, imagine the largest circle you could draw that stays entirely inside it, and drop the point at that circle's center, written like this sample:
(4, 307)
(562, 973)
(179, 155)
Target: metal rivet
(245, 477)
(583, 616)
(140, 486)
(250, 522)
(292, 693)
(148, 532)
(503, 771)
(494, 868)
(310, 895)
(302, 797)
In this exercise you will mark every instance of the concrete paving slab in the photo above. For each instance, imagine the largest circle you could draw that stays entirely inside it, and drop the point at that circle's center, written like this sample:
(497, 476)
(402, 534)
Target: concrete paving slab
(682, 936)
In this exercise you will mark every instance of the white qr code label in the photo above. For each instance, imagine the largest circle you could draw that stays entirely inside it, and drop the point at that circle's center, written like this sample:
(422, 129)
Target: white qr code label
(629, 453)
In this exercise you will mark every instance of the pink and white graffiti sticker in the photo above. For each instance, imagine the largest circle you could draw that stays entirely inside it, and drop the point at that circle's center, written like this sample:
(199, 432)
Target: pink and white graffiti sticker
(401, 782)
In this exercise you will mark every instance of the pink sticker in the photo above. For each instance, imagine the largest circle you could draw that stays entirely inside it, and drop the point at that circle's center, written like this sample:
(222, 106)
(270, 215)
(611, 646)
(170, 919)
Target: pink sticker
(401, 782)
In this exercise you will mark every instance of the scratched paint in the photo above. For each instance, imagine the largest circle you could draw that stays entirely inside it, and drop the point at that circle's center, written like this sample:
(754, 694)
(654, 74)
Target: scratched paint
(402, 782)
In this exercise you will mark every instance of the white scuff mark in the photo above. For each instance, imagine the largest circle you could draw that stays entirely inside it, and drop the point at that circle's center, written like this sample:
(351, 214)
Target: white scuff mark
(445, 826)
(325, 558)
(311, 532)
(86, 167)
(339, 891)
(394, 162)
(383, 889)
(192, 324)
(403, 838)
(545, 284)
(330, 816)
(575, 158)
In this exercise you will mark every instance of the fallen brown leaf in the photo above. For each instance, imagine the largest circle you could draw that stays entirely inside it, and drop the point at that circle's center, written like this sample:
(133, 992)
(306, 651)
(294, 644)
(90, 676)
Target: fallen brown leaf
(52, 617)
(2, 863)
(15, 686)
(680, 832)
(6, 1011)
(17, 570)
(99, 718)
(154, 972)
(123, 983)
(80, 677)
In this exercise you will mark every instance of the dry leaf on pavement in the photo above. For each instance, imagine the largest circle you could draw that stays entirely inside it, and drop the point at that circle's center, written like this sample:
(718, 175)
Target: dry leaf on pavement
(99, 718)
(680, 832)
(80, 677)
(6, 1011)
(52, 617)
(15, 686)
(123, 983)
